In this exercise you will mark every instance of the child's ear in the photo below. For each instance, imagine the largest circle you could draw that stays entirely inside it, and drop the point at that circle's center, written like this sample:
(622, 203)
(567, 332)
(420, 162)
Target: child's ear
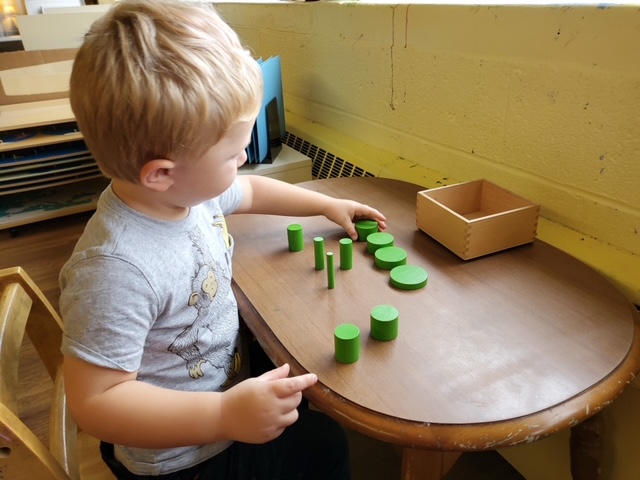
(156, 174)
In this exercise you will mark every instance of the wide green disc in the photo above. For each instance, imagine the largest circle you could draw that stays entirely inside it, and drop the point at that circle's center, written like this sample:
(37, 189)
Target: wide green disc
(379, 240)
(387, 258)
(409, 277)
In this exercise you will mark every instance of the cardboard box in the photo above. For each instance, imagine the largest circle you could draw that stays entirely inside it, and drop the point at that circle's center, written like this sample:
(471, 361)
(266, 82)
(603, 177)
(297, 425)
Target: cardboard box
(476, 218)
(41, 74)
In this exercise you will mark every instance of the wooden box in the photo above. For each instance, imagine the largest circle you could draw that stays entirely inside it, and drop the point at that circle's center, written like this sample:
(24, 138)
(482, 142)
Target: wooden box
(476, 218)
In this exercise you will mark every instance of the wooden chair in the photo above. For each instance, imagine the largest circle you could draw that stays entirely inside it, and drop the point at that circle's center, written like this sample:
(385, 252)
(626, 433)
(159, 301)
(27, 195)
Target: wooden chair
(23, 455)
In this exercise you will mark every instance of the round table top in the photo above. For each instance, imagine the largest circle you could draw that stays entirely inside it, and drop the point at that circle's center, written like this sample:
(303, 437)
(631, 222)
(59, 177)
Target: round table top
(521, 337)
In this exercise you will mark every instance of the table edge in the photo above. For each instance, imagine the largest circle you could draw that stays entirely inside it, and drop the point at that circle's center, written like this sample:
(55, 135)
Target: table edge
(451, 437)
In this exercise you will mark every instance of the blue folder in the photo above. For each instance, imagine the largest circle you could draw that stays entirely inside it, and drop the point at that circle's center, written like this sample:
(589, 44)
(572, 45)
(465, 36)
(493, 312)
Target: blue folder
(270, 124)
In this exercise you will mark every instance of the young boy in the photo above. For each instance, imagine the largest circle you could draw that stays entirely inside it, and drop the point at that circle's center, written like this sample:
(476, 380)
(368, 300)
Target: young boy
(155, 361)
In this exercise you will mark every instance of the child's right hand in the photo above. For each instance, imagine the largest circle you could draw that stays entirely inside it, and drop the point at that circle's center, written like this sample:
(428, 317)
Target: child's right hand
(259, 409)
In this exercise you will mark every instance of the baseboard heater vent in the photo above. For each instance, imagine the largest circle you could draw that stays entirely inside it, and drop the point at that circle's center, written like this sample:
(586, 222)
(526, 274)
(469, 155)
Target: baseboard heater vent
(323, 163)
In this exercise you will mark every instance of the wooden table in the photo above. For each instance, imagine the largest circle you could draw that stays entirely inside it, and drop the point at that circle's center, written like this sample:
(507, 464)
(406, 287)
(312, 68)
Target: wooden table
(493, 352)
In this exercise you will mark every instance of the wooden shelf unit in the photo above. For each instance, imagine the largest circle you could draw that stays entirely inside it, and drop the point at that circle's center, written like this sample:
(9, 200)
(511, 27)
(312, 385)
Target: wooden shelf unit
(50, 173)
(46, 170)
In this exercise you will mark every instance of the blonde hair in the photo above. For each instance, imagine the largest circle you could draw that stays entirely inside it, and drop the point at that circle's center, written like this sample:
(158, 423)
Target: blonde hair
(160, 79)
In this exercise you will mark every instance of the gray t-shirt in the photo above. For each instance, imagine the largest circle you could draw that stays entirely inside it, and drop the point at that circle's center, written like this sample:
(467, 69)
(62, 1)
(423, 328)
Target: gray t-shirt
(145, 295)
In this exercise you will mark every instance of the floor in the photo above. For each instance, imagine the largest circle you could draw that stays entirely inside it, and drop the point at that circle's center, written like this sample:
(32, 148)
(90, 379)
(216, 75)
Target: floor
(42, 248)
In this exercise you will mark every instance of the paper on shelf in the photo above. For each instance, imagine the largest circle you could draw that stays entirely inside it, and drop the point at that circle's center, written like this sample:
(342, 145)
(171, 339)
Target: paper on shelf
(37, 79)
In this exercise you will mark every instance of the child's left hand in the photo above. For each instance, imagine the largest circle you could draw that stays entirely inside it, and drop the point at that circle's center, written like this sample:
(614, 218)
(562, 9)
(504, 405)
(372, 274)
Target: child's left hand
(346, 212)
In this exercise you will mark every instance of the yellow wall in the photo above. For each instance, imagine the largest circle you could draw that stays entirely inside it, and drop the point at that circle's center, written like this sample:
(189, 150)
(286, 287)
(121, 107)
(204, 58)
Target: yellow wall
(544, 101)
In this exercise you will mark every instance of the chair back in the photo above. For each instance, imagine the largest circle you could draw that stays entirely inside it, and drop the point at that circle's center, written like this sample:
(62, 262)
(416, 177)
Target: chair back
(23, 454)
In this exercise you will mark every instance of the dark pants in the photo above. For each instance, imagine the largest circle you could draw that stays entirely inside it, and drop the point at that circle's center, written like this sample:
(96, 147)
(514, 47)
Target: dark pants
(313, 448)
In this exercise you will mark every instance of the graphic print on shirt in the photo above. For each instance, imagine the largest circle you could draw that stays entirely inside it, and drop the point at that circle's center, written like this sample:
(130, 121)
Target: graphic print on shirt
(209, 339)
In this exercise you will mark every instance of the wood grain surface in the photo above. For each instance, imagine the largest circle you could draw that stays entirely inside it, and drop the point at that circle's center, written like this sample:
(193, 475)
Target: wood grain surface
(494, 351)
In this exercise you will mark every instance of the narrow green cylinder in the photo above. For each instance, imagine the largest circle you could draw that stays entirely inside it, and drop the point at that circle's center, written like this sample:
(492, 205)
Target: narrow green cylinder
(331, 271)
(318, 247)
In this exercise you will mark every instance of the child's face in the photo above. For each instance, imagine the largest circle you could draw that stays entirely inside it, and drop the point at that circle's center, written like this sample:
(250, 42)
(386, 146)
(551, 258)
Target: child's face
(214, 172)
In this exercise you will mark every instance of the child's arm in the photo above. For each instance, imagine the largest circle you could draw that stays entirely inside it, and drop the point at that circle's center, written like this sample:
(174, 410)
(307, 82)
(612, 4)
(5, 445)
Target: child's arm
(113, 406)
(269, 196)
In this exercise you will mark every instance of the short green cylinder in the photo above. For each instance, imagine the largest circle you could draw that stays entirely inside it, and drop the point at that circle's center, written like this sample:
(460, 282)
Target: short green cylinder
(347, 343)
(384, 322)
(365, 228)
(295, 235)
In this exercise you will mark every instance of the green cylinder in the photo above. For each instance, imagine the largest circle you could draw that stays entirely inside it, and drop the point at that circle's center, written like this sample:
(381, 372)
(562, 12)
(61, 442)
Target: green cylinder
(347, 343)
(365, 228)
(318, 247)
(408, 277)
(295, 236)
(379, 240)
(346, 254)
(387, 258)
(331, 271)
(384, 322)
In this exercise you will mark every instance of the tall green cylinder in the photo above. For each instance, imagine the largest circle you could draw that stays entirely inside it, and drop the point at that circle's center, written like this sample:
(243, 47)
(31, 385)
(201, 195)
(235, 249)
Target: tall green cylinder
(346, 254)
(318, 248)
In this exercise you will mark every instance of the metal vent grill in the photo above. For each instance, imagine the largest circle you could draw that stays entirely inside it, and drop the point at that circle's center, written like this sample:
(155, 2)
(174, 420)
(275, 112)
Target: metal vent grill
(323, 163)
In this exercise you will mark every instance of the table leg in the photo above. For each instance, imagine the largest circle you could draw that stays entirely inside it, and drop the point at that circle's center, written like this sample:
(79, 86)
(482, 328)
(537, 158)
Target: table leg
(587, 449)
(426, 464)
